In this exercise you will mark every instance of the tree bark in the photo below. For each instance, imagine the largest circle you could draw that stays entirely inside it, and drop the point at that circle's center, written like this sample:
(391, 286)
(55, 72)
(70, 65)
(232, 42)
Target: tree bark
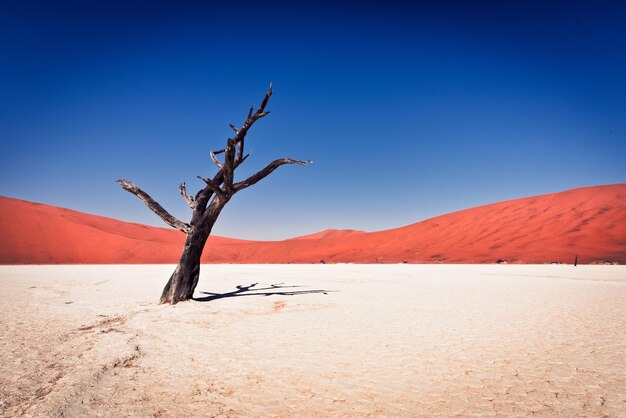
(183, 281)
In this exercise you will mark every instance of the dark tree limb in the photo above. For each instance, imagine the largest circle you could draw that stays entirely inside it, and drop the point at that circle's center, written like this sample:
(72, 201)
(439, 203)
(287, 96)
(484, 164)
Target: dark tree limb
(253, 117)
(239, 156)
(213, 186)
(255, 178)
(183, 191)
(229, 166)
(239, 161)
(155, 207)
(203, 196)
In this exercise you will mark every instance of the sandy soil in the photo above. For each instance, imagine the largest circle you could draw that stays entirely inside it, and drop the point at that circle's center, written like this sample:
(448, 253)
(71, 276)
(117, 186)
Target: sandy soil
(315, 340)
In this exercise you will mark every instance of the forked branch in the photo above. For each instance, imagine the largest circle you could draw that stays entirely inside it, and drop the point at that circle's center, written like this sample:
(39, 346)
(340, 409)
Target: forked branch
(233, 157)
(154, 206)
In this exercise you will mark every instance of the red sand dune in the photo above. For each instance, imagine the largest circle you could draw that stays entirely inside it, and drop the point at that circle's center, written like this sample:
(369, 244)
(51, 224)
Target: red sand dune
(589, 222)
(331, 233)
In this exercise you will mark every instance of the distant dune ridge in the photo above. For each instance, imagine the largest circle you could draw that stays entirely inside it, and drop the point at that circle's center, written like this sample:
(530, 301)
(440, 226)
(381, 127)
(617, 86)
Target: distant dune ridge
(589, 222)
(331, 233)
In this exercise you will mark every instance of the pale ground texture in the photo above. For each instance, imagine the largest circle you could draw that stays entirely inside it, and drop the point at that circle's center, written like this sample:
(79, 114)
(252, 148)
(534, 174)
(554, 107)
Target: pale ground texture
(390, 340)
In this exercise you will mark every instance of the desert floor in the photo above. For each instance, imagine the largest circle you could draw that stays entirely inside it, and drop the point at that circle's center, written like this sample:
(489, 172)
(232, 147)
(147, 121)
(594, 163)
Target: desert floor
(314, 340)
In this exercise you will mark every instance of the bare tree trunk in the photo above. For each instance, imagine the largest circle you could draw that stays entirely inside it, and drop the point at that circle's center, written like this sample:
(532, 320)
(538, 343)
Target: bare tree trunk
(183, 281)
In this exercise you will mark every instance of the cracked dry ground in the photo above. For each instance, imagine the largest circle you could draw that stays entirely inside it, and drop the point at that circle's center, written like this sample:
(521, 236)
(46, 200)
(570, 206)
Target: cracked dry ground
(332, 340)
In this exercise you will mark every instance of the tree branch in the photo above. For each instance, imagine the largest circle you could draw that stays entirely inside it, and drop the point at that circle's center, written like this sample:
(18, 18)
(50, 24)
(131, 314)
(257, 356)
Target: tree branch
(154, 206)
(213, 186)
(239, 156)
(253, 117)
(216, 161)
(223, 175)
(242, 159)
(265, 100)
(183, 191)
(255, 178)
(229, 166)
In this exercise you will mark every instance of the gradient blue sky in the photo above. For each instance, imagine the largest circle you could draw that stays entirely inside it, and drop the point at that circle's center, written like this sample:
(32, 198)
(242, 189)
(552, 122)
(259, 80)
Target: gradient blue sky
(409, 110)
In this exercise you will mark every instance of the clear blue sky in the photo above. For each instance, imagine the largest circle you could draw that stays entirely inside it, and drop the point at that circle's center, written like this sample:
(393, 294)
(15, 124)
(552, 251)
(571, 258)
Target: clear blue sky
(409, 110)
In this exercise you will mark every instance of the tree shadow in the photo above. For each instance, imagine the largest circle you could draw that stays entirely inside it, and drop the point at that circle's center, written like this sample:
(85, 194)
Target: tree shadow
(251, 290)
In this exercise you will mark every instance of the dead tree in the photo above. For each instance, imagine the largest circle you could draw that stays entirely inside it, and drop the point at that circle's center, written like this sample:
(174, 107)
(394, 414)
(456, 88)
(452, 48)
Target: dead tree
(207, 204)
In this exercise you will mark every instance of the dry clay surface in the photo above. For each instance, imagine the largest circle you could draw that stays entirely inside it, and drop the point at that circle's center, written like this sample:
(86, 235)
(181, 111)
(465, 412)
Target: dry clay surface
(316, 340)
